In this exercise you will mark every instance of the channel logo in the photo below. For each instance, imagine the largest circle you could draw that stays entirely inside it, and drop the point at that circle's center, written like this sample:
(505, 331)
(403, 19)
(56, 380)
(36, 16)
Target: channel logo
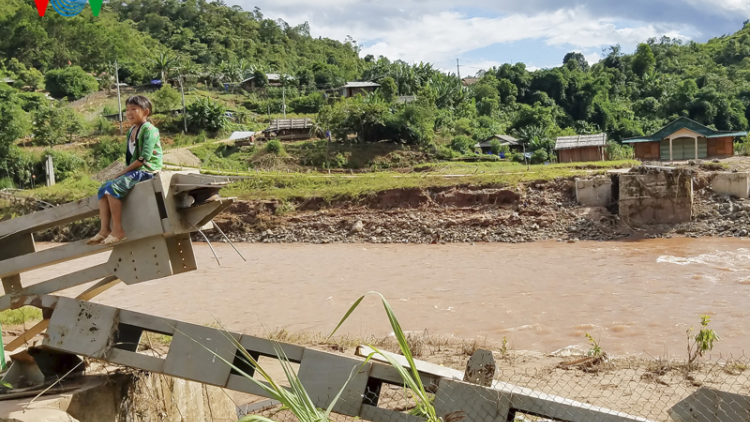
(68, 8)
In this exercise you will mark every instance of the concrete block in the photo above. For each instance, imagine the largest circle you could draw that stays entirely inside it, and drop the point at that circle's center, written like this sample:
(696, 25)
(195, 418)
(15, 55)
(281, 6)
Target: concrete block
(596, 192)
(192, 354)
(656, 198)
(82, 328)
(707, 405)
(478, 403)
(734, 184)
(141, 260)
(324, 374)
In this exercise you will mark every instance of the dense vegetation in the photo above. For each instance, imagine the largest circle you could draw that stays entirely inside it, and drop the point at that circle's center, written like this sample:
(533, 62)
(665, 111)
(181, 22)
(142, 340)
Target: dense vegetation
(211, 45)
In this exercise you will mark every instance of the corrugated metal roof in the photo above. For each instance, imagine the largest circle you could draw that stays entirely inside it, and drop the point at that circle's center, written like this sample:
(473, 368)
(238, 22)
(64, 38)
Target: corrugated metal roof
(580, 141)
(683, 123)
(270, 77)
(504, 140)
(241, 135)
(361, 85)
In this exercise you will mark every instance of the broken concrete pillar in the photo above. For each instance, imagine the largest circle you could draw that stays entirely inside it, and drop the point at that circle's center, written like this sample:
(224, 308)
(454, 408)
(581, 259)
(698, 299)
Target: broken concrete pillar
(656, 197)
(734, 184)
(596, 192)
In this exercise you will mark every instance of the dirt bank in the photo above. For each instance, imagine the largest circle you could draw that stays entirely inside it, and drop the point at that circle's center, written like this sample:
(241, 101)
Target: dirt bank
(531, 212)
(510, 214)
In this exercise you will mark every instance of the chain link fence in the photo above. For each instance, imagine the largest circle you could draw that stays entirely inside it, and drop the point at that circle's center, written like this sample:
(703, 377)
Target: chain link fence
(586, 389)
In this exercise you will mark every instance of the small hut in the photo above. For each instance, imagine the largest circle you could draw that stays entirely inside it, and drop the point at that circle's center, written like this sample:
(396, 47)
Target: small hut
(581, 148)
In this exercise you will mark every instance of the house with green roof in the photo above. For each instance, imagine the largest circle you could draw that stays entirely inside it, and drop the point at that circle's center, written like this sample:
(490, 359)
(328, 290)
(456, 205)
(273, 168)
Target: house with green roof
(684, 139)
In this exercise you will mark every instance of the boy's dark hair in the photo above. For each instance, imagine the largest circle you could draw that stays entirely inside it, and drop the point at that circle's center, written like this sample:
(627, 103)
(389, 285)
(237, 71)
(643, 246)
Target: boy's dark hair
(142, 102)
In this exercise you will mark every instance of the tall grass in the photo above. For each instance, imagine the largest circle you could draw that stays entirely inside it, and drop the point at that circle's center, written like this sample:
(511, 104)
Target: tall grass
(296, 399)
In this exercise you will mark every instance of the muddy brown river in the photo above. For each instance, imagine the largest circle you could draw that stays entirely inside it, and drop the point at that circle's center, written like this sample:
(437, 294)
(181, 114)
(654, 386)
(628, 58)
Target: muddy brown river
(636, 297)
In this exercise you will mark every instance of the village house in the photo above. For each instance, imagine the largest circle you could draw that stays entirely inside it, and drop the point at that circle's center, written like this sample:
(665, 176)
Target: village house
(684, 139)
(289, 129)
(274, 79)
(581, 148)
(511, 142)
(352, 89)
(469, 81)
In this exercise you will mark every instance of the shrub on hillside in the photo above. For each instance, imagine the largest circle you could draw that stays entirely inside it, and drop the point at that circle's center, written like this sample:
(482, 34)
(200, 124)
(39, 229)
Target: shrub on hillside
(107, 151)
(17, 165)
(539, 156)
(446, 153)
(462, 144)
(71, 82)
(102, 126)
(57, 124)
(166, 99)
(205, 114)
(517, 157)
(274, 146)
(312, 103)
(66, 164)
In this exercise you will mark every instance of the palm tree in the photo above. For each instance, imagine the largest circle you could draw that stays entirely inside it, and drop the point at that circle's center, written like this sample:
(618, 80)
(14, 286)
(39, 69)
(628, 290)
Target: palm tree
(164, 63)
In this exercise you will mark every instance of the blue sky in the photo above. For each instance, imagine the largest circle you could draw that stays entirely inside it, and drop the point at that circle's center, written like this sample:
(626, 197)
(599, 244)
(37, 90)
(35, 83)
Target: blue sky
(484, 33)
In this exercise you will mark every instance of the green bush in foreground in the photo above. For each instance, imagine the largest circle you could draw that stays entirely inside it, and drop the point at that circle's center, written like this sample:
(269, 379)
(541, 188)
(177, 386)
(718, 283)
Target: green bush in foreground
(20, 316)
(274, 147)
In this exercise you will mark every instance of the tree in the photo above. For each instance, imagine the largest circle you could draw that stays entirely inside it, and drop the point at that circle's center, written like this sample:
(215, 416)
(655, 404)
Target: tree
(643, 61)
(496, 146)
(260, 79)
(576, 61)
(56, 124)
(388, 89)
(166, 99)
(462, 144)
(71, 82)
(205, 114)
(14, 122)
(163, 64)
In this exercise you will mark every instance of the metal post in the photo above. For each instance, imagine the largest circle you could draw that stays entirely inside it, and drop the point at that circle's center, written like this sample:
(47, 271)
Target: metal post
(184, 110)
(283, 100)
(119, 103)
(50, 170)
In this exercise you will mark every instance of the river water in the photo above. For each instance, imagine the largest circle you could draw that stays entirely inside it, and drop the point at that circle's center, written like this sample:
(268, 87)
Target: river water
(635, 297)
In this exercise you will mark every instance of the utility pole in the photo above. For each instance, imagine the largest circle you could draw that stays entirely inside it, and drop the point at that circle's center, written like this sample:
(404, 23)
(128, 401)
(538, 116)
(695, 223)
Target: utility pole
(283, 99)
(458, 70)
(119, 102)
(184, 110)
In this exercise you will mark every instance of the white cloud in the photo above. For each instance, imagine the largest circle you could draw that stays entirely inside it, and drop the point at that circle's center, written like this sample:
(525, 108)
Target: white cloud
(449, 34)
(437, 31)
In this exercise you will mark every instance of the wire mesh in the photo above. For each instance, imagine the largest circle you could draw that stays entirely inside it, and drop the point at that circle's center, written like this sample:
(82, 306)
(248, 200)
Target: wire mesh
(715, 388)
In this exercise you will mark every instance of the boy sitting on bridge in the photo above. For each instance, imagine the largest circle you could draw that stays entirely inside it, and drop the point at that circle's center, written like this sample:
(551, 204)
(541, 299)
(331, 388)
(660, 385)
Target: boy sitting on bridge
(143, 158)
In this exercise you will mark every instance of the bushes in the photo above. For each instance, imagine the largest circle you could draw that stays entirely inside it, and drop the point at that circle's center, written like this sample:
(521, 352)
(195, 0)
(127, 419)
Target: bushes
(57, 124)
(107, 151)
(539, 156)
(274, 147)
(462, 144)
(71, 82)
(446, 153)
(102, 126)
(66, 164)
(166, 99)
(17, 166)
(518, 157)
(616, 152)
(312, 103)
(207, 115)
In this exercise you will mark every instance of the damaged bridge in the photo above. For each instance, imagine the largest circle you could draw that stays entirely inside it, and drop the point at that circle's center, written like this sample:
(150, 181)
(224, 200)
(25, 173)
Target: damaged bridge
(170, 208)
